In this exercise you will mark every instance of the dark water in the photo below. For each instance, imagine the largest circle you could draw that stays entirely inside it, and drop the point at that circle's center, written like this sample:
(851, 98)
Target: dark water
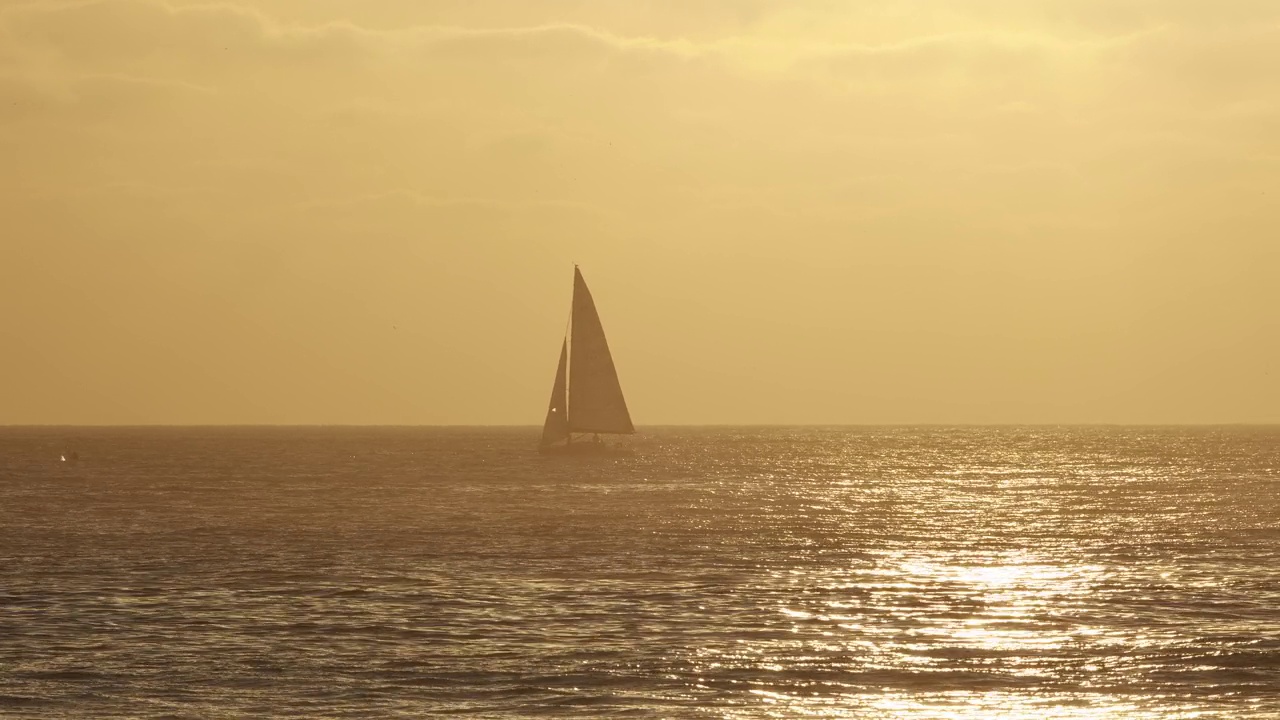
(865, 572)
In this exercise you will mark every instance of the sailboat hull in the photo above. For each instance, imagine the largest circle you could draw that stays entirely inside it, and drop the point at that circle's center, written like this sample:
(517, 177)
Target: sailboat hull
(585, 449)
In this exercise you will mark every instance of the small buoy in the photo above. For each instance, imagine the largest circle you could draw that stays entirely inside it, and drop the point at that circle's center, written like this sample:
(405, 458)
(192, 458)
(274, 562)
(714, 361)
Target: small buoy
(64, 458)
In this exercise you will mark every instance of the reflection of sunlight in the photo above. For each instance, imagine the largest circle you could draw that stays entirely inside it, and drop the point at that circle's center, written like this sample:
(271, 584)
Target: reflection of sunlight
(958, 705)
(904, 634)
(995, 576)
(997, 572)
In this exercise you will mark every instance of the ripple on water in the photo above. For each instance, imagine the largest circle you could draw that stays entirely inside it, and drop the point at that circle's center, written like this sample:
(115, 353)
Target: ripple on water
(816, 572)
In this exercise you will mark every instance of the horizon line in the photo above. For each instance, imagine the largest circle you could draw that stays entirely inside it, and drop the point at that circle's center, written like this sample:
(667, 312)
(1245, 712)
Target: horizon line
(509, 426)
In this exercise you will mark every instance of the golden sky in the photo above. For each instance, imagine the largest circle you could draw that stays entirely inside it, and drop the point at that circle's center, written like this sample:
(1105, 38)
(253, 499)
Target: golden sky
(325, 211)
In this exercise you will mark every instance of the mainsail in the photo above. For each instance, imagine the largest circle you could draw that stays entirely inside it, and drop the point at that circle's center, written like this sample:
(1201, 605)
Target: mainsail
(592, 401)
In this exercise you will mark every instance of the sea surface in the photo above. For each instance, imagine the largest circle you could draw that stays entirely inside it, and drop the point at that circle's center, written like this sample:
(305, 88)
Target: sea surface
(866, 572)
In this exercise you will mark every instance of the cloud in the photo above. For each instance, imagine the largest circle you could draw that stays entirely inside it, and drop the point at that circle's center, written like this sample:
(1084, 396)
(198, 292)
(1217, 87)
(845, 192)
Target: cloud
(115, 30)
(131, 31)
(245, 50)
(87, 98)
(562, 111)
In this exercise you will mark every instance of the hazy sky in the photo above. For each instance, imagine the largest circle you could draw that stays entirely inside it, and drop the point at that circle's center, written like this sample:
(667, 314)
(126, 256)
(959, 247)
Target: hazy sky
(331, 211)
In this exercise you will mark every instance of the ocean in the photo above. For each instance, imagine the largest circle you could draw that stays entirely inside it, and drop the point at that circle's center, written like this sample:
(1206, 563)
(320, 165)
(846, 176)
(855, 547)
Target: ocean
(864, 572)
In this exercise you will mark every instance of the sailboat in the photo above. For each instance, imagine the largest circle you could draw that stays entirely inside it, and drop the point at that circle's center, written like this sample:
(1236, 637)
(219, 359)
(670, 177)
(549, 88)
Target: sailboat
(586, 398)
